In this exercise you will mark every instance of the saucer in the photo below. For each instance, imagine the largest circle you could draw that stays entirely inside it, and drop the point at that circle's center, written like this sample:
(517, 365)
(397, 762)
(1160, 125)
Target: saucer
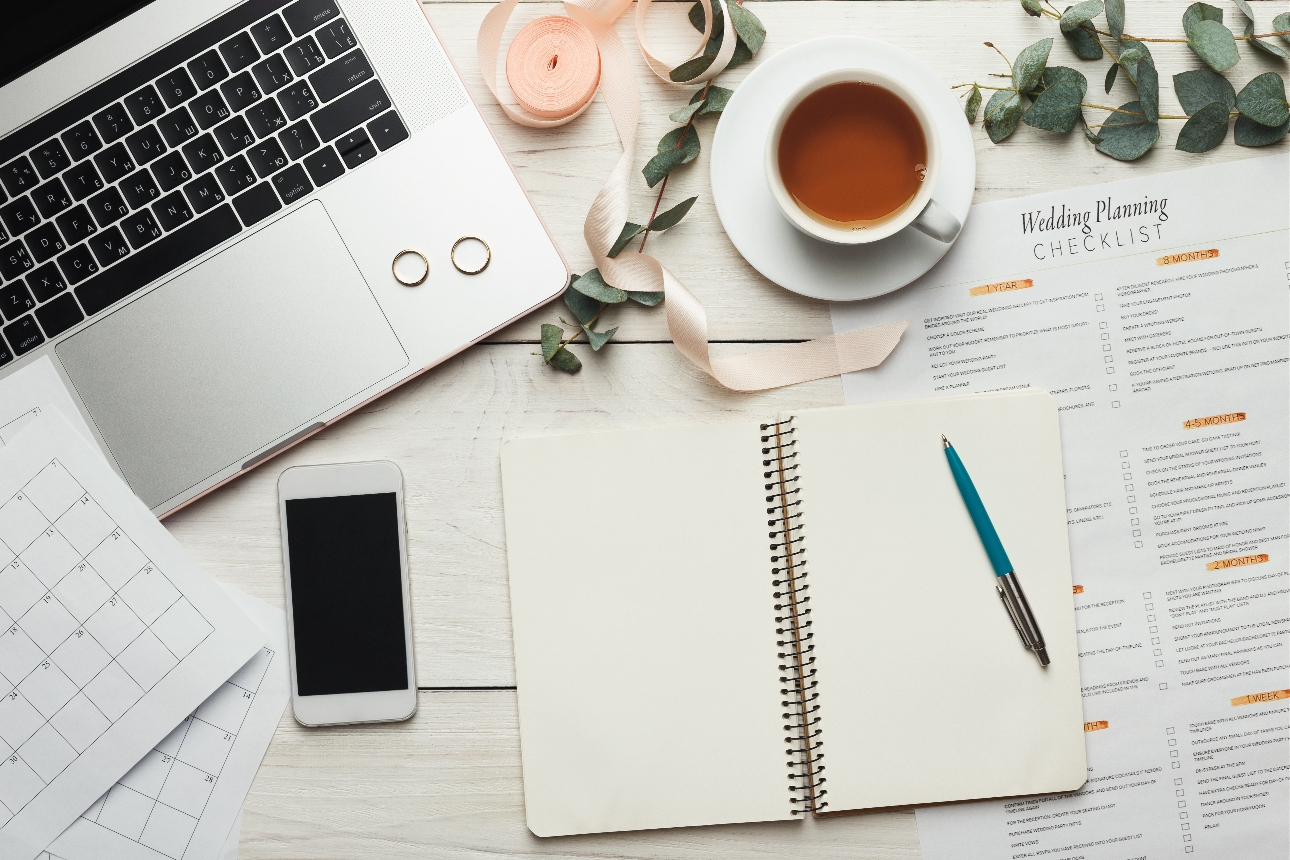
(751, 217)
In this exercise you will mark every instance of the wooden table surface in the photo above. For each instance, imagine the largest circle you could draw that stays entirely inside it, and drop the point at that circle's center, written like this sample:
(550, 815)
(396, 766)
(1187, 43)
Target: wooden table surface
(447, 783)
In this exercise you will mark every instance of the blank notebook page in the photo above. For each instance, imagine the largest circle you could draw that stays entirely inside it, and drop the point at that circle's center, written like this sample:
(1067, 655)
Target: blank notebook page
(926, 691)
(644, 622)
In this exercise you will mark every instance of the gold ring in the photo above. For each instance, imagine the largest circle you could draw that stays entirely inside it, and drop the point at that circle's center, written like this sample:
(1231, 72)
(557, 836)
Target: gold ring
(394, 268)
(453, 255)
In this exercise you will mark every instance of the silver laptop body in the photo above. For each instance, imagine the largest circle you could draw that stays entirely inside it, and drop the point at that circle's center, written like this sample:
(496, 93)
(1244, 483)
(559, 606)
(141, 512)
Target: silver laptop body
(200, 206)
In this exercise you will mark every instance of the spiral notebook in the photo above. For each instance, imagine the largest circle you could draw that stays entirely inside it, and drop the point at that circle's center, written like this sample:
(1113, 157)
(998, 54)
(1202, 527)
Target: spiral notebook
(752, 621)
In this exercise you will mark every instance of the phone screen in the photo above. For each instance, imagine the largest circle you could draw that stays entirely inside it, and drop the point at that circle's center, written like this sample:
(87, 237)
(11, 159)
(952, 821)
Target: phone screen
(346, 594)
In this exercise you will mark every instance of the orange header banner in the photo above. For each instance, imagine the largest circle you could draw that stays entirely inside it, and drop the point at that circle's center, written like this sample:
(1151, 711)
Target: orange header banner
(1099, 725)
(1001, 287)
(1238, 561)
(1189, 257)
(1270, 696)
(1225, 418)
(1079, 589)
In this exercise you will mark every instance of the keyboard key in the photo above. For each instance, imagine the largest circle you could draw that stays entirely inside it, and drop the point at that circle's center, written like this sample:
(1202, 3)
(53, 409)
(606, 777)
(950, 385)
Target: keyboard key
(209, 108)
(239, 51)
(76, 224)
(17, 176)
(304, 15)
(299, 140)
(77, 264)
(297, 100)
(292, 184)
(202, 153)
(177, 126)
(272, 74)
(23, 335)
(208, 70)
(50, 158)
(83, 180)
(171, 171)
(387, 130)
(15, 300)
(51, 198)
(14, 260)
(324, 166)
(81, 140)
(176, 87)
(335, 39)
(266, 118)
(145, 144)
(46, 282)
(235, 175)
(257, 204)
(144, 106)
(234, 136)
(109, 246)
(114, 162)
(19, 216)
(107, 207)
(6, 354)
(59, 315)
(44, 243)
(140, 229)
(350, 110)
(342, 75)
(157, 259)
(240, 92)
(203, 193)
(267, 157)
(304, 56)
(113, 123)
(172, 211)
(271, 34)
(355, 148)
(140, 189)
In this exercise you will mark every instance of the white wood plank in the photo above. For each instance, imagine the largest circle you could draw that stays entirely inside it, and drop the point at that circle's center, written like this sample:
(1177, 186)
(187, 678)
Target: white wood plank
(446, 784)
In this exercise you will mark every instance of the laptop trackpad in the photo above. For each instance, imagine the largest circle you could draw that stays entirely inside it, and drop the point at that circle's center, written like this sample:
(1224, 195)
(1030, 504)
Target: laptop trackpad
(258, 341)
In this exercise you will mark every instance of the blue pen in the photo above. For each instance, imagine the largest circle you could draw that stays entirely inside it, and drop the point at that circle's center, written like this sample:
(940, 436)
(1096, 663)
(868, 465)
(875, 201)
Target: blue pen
(1009, 589)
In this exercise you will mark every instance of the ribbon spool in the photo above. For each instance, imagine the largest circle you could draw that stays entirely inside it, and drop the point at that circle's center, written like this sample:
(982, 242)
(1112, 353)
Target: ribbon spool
(553, 67)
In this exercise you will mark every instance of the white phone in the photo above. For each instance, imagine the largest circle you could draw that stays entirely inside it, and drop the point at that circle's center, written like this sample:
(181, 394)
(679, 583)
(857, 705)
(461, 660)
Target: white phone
(349, 607)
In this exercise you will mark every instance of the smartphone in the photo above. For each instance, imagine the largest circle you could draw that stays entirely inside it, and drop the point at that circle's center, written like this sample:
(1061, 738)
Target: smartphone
(349, 608)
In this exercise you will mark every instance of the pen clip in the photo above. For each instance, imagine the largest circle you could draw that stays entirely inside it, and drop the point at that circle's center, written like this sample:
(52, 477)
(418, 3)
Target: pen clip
(1012, 615)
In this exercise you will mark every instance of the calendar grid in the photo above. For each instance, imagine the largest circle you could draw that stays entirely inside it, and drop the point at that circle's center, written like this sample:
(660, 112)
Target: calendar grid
(90, 625)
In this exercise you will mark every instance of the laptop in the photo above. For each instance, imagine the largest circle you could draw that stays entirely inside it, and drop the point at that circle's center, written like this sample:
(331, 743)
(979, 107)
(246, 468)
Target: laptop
(201, 204)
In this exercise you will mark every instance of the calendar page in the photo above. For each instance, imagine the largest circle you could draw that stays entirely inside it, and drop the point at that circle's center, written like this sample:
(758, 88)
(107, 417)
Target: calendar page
(111, 636)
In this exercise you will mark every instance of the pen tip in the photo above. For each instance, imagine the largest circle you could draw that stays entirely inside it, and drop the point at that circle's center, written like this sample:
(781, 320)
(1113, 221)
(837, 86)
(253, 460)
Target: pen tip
(945, 441)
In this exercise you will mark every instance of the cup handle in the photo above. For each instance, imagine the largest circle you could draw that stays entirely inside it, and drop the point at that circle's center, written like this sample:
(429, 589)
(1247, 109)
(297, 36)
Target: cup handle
(936, 221)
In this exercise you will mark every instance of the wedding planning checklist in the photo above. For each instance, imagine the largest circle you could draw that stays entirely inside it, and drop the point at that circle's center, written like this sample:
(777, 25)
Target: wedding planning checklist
(1154, 309)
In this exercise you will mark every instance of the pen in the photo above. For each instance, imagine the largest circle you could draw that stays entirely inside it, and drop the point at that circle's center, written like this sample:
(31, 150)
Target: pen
(1009, 589)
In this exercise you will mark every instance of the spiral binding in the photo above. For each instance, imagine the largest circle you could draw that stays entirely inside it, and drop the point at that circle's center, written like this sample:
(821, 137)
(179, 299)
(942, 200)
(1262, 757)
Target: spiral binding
(788, 575)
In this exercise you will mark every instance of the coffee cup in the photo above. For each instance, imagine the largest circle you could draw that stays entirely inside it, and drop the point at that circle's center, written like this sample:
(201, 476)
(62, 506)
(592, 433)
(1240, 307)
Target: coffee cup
(918, 209)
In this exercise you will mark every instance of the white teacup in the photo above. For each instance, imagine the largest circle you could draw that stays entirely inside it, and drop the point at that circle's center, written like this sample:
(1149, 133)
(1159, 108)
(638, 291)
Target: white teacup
(922, 212)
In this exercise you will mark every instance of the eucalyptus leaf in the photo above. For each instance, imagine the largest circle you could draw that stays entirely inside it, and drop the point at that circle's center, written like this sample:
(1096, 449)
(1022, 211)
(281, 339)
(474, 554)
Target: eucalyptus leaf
(973, 106)
(1115, 17)
(1110, 75)
(1083, 42)
(592, 284)
(679, 146)
(1058, 107)
(551, 337)
(1093, 137)
(1079, 13)
(1149, 91)
(1206, 129)
(1264, 45)
(1264, 100)
(661, 165)
(630, 231)
(649, 299)
(1134, 52)
(673, 216)
(1201, 87)
(597, 339)
(747, 25)
(691, 69)
(718, 22)
(566, 361)
(1214, 44)
(1250, 133)
(1029, 65)
(1128, 136)
(1002, 113)
(1245, 9)
(683, 115)
(1032, 7)
(1198, 12)
(741, 55)
(718, 98)
(1281, 24)
(584, 307)
(681, 139)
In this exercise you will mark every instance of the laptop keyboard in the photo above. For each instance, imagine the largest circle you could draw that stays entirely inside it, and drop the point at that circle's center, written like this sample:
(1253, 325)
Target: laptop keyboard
(174, 155)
